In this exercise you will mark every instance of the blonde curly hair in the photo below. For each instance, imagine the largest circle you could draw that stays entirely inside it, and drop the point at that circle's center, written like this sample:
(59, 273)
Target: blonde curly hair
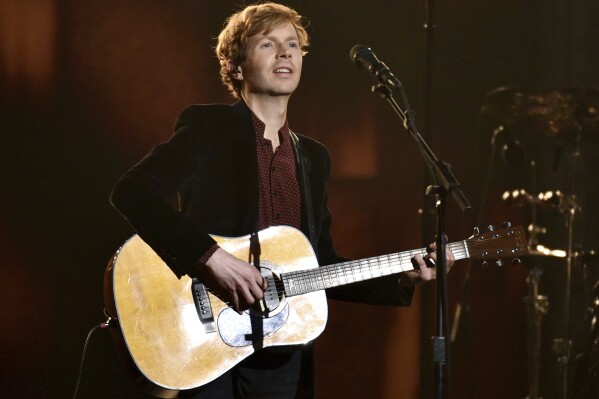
(252, 20)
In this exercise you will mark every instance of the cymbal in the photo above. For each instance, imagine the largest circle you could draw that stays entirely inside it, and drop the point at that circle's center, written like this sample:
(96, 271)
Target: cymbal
(582, 256)
(541, 250)
(560, 113)
(520, 197)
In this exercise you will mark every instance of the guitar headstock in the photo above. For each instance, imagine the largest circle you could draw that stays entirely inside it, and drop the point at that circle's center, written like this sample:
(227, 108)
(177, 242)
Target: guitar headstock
(508, 242)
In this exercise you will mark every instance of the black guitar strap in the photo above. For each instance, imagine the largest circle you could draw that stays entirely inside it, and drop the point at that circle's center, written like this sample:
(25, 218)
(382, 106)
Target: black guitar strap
(303, 163)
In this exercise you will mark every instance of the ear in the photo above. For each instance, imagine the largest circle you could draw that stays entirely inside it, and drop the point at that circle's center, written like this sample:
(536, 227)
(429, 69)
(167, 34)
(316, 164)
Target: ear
(234, 70)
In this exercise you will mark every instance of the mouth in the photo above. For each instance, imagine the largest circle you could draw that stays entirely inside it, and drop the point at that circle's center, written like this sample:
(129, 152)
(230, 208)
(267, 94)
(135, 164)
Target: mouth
(283, 70)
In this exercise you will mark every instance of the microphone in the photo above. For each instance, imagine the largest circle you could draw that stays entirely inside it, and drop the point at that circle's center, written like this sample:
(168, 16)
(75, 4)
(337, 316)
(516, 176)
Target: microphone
(364, 58)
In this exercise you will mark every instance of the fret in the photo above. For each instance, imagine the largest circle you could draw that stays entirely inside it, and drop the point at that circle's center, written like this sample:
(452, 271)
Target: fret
(375, 270)
(337, 280)
(312, 280)
(369, 268)
(353, 275)
(315, 282)
(359, 272)
(321, 282)
(305, 278)
(328, 280)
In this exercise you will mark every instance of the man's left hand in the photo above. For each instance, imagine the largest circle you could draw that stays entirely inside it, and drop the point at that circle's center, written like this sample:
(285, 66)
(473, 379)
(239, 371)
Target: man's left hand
(424, 266)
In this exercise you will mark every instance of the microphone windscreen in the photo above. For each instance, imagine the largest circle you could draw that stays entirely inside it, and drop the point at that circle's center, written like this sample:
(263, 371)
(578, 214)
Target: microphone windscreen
(356, 54)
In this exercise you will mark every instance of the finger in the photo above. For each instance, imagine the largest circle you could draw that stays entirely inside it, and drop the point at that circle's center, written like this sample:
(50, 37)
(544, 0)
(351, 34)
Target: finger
(430, 262)
(235, 303)
(250, 295)
(253, 280)
(418, 263)
(427, 273)
(423, 266)
(259, 279)
(262, 282)
(450, 256)
(413, 276)
(431, 248)
(256, 291)
(257, 284)
(432, 256)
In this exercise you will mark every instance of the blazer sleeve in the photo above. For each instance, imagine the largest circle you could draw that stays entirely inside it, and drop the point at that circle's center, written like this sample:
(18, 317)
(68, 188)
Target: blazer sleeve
(144, 194)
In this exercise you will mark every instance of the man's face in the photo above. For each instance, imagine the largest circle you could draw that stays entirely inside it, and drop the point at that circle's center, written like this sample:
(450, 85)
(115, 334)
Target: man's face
(273, 63)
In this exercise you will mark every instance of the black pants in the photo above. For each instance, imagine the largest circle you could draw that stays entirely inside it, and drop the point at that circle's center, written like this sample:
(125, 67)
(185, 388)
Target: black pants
(271, 373)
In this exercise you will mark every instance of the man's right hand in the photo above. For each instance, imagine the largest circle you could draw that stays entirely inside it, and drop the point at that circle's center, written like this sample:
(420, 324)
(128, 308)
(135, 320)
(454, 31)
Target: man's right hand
(234, 281)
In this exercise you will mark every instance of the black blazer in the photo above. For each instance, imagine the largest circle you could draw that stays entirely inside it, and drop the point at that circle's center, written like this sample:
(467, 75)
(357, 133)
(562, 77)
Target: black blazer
(210, 166)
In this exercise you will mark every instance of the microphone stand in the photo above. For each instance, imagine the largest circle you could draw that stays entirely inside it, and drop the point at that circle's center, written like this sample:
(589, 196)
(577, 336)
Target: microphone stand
(445, 183)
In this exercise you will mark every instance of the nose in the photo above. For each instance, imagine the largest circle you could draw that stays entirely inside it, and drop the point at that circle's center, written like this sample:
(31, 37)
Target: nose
(284, 52)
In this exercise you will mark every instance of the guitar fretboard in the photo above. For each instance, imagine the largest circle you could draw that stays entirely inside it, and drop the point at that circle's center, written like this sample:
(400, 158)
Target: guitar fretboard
(320, 278)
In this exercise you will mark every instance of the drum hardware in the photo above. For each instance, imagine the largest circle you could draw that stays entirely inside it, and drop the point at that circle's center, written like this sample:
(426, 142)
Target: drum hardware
(537, 306)
(547, 199)
(560, 113)
(531, 116)
(587, 374)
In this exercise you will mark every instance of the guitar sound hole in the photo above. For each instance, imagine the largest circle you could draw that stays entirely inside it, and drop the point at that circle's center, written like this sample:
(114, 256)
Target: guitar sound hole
(273, 296)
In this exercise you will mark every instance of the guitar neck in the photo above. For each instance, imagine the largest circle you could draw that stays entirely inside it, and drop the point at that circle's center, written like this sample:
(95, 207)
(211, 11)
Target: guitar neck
(320, 278)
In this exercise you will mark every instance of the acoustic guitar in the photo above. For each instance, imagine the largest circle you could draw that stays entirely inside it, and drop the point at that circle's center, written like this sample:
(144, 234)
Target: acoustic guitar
(180, 336)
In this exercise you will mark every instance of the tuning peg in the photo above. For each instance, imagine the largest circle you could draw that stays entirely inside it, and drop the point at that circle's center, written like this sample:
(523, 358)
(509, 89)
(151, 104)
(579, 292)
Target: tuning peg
(475, 233)
(500, 262)
(516, 261)
(507, 225)
(491, 227)
(485, 264)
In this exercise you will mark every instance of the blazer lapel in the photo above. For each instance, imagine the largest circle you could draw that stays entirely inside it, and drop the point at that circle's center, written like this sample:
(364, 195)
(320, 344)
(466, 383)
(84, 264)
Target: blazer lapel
(245, 135)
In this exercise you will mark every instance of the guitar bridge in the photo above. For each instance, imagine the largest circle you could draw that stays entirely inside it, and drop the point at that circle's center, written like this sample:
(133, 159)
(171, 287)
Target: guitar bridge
(203, 305)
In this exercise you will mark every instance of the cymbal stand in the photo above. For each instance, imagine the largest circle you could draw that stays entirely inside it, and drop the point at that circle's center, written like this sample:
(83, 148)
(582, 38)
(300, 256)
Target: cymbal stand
(537, 305)
(562, 346)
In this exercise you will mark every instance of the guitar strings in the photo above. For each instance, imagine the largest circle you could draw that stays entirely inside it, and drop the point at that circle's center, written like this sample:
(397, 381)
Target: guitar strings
(316, 279)
(310, 280)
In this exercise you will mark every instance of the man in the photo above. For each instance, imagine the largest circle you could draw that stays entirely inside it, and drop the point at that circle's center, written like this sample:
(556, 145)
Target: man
(238, 169)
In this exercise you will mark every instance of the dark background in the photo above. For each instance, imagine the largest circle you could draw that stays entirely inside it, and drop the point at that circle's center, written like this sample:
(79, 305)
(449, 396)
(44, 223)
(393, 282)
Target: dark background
(89, 87)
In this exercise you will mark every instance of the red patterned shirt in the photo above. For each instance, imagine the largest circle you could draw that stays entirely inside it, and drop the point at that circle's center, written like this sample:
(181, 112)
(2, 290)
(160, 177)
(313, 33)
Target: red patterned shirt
(279, 196)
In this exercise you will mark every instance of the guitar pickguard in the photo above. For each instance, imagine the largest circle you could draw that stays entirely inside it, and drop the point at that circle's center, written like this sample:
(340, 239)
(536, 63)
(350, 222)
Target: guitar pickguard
(245, 329)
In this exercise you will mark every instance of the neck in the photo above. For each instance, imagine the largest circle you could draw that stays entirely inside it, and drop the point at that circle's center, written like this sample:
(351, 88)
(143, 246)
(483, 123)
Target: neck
(272, 110)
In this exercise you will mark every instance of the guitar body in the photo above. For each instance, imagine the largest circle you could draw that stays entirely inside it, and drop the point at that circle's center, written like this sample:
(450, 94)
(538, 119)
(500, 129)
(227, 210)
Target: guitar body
(160, 321)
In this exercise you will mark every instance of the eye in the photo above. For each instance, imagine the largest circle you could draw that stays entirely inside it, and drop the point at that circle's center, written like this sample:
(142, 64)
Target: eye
(293, 45)
(266, 45)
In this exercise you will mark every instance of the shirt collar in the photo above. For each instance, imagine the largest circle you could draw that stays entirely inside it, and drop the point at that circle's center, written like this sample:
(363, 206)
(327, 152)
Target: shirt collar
(259, 126)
